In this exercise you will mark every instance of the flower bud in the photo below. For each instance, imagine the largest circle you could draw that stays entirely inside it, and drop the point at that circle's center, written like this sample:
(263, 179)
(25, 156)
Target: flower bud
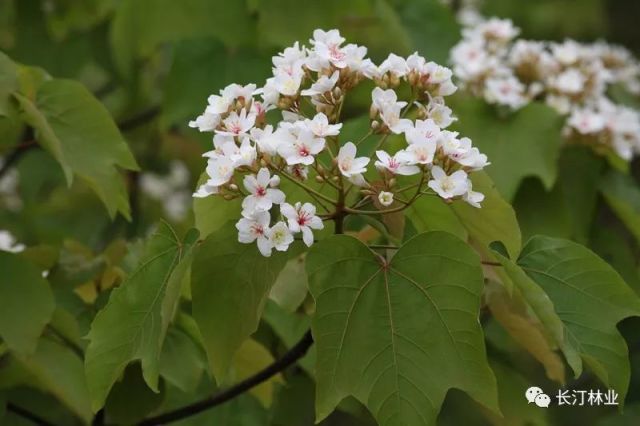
(274, 181)
(233, 187)
(385, 198)
(319, 179)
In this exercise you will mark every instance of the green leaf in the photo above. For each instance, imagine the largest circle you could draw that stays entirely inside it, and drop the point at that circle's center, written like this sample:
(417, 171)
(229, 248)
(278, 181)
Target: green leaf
(8, 82)
(290, 288)
(432, 214)
(590, 298)
(398, 335)
(524, 143)
(212, 213)
(133, 325)
(230, 283)
(432, 27)
(55, 369)
(131, 400)
(182, 361)
(26, 303)
(205, 66)
(139, 26)
(623, 196)
(494, 221)
(514, 315)
(250, 358)
(79, 132)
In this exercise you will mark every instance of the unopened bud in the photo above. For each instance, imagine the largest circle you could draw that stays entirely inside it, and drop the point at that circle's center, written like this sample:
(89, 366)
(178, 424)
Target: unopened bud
(337, 92)
(375, 124)
(392, 182)
(228, 197)
(319, 179)
(274, 181)
(233, 187)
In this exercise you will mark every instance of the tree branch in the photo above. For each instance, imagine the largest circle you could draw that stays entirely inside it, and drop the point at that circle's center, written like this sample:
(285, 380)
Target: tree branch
(28, 415)
(294, 354)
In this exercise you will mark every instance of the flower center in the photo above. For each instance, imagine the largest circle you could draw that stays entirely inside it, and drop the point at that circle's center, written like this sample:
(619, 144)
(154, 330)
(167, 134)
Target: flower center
(260, 191)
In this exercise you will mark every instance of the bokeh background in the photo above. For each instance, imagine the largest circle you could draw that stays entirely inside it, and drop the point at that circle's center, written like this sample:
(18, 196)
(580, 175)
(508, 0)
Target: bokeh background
(153, 63)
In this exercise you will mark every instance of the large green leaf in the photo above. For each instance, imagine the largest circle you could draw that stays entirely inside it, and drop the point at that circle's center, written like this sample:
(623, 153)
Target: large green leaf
(79, 132)
(230, 284)
(590, 298)
(139, 26)
(494, 221)
(432, 27)
(133, 325)
(623, 196)
(432, 214)
(369, 22)
(525, 143)
(251, 358)
(26, 303)
(213, 212)
(398, 335)
(204, 66)
(55, 369)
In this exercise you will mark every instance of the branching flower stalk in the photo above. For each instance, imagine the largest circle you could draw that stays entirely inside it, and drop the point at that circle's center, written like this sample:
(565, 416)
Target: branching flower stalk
(291, 128)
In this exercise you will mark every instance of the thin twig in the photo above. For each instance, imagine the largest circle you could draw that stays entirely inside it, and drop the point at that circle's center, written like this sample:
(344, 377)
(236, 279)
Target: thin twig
(28, 415)
(294, 354)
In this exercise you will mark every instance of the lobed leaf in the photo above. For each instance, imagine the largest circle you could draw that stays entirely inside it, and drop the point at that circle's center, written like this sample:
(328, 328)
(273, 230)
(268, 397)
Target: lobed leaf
(590, 298)
(133, 325)
(398, 335)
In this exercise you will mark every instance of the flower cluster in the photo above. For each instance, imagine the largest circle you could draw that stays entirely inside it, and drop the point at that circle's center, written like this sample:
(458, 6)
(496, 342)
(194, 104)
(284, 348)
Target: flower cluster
(290, 129)
(571, 77)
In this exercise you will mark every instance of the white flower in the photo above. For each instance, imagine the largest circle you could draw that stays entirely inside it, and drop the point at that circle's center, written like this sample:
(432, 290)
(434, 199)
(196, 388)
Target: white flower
(396, 164)
(507, 91)
(320, 126)
(302, 218)
(441, 114)
(448, 186)
(289, 57)
(470, 59)
(420, 152)
(238, 124)
(255, 226)
(571, 82)
(472, 158)
(355, 59)
(205, 190)
(385, 198)
(220, 170)
(323, 85)
(329, 38)
(391, 117)
(206, 122)
(422, 131)
(245, 154)
(288, 83)
(8, 242)
(304, 148)
(218, 104)
(261, 197)
(350, 166)
(586, 121)
(279, 237)
(385, 99)
(268, 141)
(472, 197)
(395, 65)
